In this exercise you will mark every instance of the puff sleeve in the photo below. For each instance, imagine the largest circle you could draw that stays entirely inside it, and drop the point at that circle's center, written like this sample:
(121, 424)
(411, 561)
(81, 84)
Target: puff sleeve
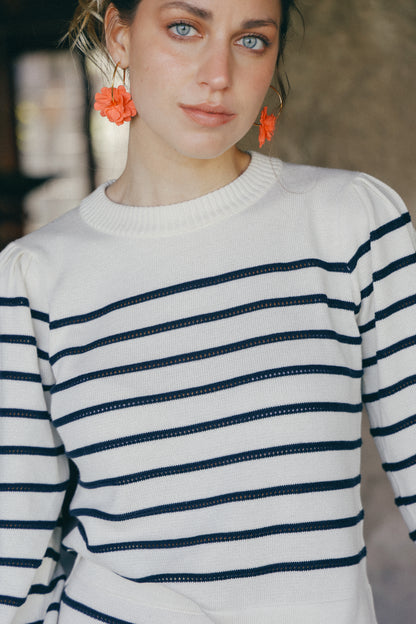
(384, 274)
(34, 469)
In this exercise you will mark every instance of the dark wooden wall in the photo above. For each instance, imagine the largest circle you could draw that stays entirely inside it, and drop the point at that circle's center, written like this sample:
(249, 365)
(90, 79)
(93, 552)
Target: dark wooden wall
(25, 26)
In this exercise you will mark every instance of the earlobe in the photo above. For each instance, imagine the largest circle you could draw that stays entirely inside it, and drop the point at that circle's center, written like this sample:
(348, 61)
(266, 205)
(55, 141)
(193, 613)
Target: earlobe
(116, 36)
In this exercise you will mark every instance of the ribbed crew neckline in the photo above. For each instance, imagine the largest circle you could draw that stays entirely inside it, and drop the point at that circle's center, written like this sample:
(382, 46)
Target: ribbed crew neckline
(103, 214)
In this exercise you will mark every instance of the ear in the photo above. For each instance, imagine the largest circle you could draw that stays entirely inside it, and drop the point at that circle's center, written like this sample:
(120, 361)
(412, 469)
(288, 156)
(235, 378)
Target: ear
(117, 36)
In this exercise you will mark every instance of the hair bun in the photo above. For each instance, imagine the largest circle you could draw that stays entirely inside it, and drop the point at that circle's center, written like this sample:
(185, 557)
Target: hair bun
(86, 30)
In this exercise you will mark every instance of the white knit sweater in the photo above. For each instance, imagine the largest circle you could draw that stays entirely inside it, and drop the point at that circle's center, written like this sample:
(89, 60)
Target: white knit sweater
(193, 377)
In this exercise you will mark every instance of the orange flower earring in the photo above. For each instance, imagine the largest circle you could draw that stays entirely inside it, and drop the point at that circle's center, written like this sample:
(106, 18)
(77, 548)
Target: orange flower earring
(267, 123)
(115, 103)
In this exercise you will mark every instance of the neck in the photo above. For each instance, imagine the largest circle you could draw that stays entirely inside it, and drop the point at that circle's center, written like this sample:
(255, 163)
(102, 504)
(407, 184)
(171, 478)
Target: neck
(159, 176)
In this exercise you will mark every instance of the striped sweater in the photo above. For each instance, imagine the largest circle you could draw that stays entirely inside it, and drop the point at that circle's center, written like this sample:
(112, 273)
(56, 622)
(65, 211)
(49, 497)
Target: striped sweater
(181, 397)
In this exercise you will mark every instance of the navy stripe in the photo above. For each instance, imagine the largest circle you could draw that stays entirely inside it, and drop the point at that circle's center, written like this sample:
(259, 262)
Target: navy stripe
(281, 490)
(384, 392)
(52, 554)
(207, 353)
(277, 529)
(43, 355)
(390, 429)
(367, 326)
(267, 412)
(361, 251)
(295, 408)
(12, 601)
(28, 524)
(225, 460)
(20, 563)
(390, 226)
(394, 266)
(23, 340)
(389, 311)
(396, 307)
(208, 318)
(371, 361)
(337, 267)
(54, 606)
(47, 589)
(23, 413)
(405, 500)
(394, 348)
(34, 487)
(18, 339)
(40, 316)
(413, 536)
(406, 463)
(92, 613)
(14, 301)
(309, 369)
(19, 376)
(381, 231)
(32, 450)
(366, 292)
(289, 566)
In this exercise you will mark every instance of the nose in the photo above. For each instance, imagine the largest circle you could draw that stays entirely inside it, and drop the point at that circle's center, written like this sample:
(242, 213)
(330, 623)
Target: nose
(214, 67)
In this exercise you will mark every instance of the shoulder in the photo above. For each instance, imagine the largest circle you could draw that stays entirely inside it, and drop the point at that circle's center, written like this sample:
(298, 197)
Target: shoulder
(30, 263)
(51, 235)
(342, 209)
(301, 179)
(348, 194)
(40, 259)
(58, 238)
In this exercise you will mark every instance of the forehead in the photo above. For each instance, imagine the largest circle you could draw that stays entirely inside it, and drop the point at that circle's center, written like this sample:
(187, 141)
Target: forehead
(216, 9)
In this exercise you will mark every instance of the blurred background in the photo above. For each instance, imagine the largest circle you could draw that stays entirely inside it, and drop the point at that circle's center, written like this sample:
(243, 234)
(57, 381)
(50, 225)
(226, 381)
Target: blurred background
(352, 105)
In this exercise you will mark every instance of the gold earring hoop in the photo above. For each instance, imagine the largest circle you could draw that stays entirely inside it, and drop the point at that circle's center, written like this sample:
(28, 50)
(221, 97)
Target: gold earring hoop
(114, 77)
(115, 103)
(279, 95)
(268, 122)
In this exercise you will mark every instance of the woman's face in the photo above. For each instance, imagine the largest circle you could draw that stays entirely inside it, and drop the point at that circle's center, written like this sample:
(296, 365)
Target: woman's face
(200, 69)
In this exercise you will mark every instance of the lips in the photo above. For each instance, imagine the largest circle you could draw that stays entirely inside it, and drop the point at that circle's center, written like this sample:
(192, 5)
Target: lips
(208, 115)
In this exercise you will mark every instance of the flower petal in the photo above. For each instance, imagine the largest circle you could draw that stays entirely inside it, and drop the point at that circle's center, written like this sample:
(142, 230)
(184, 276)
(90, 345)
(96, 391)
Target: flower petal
(115, 104)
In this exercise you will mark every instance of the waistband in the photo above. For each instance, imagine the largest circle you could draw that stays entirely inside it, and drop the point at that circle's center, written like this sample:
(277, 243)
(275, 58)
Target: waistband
(99, 593)
(99, 588)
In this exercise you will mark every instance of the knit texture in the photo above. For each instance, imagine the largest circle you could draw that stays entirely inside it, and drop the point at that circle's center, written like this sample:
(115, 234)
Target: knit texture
(181, 396)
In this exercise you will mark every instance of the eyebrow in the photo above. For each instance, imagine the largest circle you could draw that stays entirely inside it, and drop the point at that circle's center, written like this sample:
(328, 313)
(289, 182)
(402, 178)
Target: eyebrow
(208, 15)
(202, 13)
(257, 23)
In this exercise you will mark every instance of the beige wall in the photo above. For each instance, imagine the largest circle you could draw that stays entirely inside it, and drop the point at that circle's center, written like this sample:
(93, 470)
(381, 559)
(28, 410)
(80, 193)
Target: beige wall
(353, 106)
(353, 98)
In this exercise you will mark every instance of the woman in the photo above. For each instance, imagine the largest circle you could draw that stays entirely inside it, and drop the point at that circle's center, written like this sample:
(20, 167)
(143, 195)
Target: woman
(186, 355)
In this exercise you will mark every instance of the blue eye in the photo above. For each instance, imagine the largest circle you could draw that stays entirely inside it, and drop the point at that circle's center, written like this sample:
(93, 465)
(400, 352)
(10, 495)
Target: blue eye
(183, 30)
(253, 43)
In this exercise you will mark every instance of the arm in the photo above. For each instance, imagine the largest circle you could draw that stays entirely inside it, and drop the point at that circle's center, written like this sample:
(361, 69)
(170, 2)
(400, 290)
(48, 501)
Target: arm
(385, 269)
(34, 469)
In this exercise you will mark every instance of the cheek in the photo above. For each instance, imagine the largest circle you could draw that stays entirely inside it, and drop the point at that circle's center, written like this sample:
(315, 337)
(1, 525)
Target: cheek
(158, 75)
(264, 76)
(254, 78)
(255, 90)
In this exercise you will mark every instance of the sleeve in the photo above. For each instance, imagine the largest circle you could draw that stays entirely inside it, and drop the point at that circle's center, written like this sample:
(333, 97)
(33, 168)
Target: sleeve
(34, 470)
(384, 267)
